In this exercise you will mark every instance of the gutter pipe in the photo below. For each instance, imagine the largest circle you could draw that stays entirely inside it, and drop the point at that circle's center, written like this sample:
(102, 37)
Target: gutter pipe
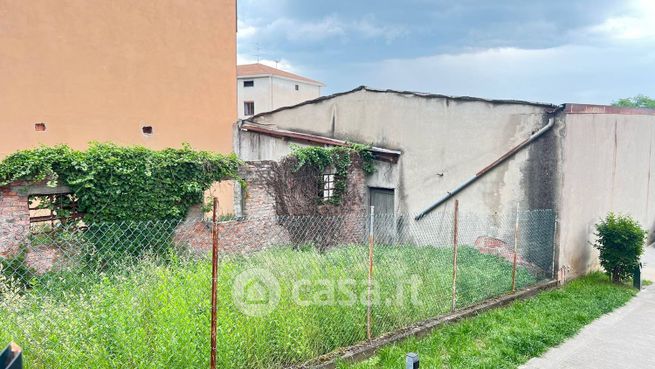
(488, 168)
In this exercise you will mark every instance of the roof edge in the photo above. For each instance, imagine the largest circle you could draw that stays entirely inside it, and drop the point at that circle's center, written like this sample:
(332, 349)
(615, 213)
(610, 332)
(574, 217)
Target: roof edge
(378, 152)
(264, 75)
(570, 108)
(551, 107)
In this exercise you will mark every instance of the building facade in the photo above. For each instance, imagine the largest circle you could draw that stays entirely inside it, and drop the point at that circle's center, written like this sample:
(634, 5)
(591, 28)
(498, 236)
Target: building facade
(156, 74)
(582, 161)
(262, 88)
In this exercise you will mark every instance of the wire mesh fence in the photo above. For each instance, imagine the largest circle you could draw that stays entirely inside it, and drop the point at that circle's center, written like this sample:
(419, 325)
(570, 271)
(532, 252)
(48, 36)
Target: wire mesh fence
(289, 288)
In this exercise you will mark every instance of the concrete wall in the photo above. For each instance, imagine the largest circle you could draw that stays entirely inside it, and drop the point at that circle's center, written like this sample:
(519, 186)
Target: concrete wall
(444, 141)
(100, 70)
(607, 161)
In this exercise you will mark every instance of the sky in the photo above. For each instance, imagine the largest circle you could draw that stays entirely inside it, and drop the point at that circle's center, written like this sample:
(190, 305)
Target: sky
(557, 51)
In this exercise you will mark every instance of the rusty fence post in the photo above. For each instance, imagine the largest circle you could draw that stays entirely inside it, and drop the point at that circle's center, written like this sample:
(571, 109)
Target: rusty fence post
(369, 334)
(455, 230)
(516, 242)
(212, 362)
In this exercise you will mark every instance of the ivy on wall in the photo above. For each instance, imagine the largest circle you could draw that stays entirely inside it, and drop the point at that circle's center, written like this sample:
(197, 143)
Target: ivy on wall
(113, 183)
(339, 158)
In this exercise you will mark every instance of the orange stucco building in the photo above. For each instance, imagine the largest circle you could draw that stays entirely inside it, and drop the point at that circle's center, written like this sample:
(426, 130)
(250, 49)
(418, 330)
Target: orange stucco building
(150, 72)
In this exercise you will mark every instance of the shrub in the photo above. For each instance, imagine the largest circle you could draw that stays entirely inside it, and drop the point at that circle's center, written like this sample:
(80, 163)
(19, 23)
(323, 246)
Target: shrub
(621, 242)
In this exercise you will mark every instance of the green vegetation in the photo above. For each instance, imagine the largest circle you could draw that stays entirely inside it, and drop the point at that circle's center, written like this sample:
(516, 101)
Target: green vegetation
(639, 101)
(621, 243)
(508, 337)
(113, 183)
(155, 314)
(337, 157)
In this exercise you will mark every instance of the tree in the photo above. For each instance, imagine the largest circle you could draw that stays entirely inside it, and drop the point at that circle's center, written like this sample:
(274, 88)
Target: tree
(639, 101)
(621, 243)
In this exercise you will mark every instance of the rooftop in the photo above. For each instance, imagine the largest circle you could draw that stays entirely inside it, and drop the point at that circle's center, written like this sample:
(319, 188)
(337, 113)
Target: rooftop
(568, 108)
(261, 70)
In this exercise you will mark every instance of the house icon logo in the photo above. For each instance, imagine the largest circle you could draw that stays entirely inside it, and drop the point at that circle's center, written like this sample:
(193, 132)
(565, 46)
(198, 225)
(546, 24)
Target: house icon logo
(256, 292)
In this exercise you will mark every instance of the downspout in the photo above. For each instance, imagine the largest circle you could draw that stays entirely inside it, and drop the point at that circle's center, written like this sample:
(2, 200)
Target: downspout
(488, 168)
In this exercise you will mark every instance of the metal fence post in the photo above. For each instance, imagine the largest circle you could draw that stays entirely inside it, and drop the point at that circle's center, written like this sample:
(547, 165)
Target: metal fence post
(454, 301)
(370, 275)
(516, 241)
(212, 363)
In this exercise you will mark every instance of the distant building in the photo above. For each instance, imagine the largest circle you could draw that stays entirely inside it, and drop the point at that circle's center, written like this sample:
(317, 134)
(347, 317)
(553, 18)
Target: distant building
(262, 88)
(580, 160)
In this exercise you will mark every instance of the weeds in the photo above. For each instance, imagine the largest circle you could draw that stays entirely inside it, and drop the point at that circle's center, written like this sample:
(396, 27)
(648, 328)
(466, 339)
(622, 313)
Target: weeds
(156, 313)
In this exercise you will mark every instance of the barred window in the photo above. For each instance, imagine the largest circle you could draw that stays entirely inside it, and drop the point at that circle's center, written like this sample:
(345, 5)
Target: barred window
(327, 185)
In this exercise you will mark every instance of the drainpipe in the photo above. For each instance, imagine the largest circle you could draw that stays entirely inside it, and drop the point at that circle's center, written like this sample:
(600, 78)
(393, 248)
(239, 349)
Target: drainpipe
(488, 168)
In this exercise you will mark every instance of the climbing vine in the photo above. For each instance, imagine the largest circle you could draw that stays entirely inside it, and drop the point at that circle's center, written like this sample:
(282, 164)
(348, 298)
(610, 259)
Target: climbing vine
(340, 158)
(113, 183)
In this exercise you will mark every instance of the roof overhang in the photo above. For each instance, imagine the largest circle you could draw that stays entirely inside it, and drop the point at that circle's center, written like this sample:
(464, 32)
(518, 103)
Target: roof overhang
(379, 153)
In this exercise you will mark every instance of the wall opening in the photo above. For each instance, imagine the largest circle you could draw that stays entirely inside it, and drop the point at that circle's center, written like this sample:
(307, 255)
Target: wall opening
(147, 130)
(39, 127)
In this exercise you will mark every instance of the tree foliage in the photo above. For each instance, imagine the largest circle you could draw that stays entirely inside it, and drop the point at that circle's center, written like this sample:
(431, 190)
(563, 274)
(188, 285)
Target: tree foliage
(113, 183)
(621, 243)
(639, 101)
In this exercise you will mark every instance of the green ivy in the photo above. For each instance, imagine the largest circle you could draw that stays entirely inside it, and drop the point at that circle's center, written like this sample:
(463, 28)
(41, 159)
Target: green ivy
(113, 183)
(338, 157)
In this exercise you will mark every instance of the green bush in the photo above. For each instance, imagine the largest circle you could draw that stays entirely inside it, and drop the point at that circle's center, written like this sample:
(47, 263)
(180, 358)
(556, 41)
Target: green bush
(621, 243)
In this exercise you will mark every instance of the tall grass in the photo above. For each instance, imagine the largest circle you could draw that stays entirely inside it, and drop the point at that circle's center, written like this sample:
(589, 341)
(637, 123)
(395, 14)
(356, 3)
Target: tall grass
(510, 336)
(156, 314)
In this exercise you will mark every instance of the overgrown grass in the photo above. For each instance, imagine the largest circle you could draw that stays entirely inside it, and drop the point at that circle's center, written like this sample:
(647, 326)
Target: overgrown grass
(508, 337)
(156, 314)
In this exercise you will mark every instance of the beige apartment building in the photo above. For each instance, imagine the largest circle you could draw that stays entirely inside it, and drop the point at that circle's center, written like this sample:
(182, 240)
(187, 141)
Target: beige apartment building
(152, 73)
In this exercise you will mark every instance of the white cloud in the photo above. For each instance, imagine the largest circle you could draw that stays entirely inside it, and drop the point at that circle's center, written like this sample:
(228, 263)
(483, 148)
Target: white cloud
(638, 25)
(567, 73)
(245, 31)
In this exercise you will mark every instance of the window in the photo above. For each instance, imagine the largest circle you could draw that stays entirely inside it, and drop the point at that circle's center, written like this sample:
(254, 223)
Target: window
(249, 83)
(249, 108)
(53, 208)
(147, 130)
(327, 185)
(297, 87)
(39, 127)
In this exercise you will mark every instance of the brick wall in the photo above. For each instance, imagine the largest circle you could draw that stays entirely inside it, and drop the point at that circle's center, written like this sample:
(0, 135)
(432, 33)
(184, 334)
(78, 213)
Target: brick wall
(261, 225)
(14, 220)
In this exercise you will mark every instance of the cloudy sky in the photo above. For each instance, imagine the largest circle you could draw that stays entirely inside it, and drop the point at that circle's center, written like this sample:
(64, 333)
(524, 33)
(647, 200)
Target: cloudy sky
(592, 51)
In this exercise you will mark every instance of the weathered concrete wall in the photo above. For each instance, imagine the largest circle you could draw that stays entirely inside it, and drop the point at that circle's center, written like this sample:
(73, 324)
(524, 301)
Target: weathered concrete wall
(444, 141)
(607, 165)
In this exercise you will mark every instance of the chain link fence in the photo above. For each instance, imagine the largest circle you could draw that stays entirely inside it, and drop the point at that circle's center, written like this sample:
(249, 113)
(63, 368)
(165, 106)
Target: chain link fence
(289, 289)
